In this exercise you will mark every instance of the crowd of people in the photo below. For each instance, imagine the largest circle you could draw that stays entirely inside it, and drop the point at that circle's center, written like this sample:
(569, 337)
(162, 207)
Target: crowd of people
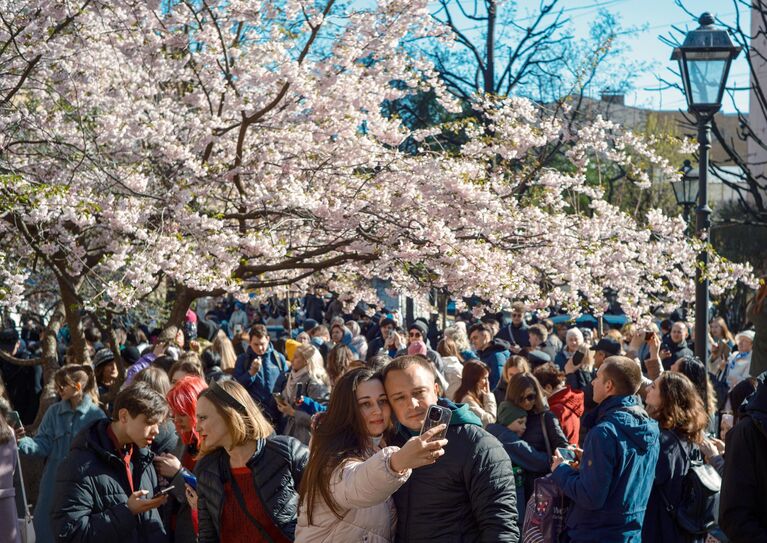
(356, 427)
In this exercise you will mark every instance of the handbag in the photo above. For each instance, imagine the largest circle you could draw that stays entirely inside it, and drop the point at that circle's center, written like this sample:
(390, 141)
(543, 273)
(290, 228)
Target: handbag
(25, 527)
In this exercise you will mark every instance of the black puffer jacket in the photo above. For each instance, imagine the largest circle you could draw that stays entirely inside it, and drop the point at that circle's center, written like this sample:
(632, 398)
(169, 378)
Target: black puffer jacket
(277, 466)
(467, 495)
(743, 505)
(91, 493)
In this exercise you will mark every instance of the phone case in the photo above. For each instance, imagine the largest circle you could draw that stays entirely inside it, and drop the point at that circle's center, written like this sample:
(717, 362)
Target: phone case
(190, 479)
(435, 416)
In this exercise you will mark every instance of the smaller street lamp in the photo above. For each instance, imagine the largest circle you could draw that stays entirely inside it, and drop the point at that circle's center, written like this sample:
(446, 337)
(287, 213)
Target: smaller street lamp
(686, 189)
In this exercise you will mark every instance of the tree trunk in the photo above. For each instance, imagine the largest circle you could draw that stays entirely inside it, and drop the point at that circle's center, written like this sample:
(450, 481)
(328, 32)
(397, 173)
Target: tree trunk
(184, 298)
(50, 357)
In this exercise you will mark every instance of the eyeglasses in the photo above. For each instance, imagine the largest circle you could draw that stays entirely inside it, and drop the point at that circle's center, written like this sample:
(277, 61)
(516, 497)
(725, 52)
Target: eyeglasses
(529, 398)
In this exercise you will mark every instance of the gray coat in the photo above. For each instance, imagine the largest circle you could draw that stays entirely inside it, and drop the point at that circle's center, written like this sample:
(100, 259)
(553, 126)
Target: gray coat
(299, 425)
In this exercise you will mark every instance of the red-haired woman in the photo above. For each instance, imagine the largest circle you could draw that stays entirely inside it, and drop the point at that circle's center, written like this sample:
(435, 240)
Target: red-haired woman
(182, 399)
(475, 391)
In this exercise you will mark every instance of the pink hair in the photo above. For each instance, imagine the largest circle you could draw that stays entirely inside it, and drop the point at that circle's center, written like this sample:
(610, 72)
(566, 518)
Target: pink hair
(182, 399)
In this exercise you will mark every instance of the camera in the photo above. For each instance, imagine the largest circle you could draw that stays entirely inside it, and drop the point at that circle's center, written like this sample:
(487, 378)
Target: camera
(434, 415)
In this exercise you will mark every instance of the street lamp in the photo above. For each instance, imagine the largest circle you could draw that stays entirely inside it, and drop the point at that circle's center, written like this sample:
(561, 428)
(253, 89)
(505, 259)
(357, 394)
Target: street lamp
(686, 190)
(704, 63)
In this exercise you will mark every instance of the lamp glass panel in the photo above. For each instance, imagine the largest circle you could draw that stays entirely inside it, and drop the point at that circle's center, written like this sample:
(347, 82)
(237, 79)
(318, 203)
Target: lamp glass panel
(705, 78)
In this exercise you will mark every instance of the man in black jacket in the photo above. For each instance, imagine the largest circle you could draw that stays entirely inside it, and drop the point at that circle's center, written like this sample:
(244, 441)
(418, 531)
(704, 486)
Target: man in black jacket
(743, 501)
(468, 494)
(102, 486)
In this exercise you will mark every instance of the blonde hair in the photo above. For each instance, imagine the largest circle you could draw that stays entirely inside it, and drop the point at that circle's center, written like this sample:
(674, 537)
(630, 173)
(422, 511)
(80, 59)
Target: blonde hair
(314, 362)
(457, 332)
(82, 375)
(223, 346)
(245, 423)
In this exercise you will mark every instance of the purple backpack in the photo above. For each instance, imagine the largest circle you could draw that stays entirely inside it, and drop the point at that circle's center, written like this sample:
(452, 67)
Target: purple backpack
(546, 513)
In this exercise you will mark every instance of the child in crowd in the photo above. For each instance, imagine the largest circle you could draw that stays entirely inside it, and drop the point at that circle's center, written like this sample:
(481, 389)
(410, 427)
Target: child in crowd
(104, 488)
(509, 428)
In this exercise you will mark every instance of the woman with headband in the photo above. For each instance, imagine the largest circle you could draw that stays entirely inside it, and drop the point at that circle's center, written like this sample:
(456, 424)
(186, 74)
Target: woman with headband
(247, 477)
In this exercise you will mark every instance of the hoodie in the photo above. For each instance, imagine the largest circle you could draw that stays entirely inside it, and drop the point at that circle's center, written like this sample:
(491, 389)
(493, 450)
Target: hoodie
(568, 406)
(467, 495)
(612, 486)
(743, 502)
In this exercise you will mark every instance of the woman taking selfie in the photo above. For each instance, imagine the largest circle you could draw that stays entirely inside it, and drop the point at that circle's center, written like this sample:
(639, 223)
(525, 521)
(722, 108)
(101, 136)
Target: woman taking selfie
(347, 486)
(674, 403)
(78, 408)
(475, 392)
(247, 477)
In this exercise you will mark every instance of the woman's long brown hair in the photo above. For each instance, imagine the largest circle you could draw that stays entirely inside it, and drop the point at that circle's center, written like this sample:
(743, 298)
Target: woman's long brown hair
(473, 372)
(681, 408)
(339, 435)
(517, 387)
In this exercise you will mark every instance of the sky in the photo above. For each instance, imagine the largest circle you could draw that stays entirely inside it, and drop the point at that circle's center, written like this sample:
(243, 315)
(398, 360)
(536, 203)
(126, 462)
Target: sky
(658, 16)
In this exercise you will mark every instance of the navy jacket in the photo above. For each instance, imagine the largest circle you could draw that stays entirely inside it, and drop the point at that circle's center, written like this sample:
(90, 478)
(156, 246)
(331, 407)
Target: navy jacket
(659, 526)
(261, 385)
(519, 450)
(91, 493)
(743, 502)
(515, 335)
(612, 486)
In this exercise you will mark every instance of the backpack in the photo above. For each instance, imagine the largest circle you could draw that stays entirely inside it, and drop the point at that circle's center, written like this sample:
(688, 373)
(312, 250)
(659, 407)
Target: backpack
(698, 511)
(546, 513)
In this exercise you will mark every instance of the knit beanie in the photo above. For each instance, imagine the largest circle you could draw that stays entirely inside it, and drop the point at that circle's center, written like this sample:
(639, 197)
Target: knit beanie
(508, 413)
(420, 326)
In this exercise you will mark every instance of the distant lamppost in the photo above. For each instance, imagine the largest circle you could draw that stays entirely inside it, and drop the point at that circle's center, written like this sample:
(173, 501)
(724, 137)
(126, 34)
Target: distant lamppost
(704, 63)
(686, 190)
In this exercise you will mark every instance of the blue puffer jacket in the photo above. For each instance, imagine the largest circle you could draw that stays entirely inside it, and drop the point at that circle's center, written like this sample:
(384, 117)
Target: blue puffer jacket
(268, 379)
(612, 486)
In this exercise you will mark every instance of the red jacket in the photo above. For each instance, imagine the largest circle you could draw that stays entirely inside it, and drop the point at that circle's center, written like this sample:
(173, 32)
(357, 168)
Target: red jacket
(567, 406)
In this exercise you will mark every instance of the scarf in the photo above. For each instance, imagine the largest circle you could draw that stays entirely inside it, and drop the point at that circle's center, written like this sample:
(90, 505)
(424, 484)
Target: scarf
(295, 377)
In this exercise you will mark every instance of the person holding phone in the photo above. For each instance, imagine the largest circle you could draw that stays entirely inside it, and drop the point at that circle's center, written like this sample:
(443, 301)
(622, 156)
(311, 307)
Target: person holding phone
(307, 378)
(352, 471)
(468, 495)
(104, 486)
(77, 409)
(178, 467)
(475, 391)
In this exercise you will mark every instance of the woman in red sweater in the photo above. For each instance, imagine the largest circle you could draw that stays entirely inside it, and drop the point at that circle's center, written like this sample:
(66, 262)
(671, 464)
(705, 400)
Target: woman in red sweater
(247, 477)
(566, 404)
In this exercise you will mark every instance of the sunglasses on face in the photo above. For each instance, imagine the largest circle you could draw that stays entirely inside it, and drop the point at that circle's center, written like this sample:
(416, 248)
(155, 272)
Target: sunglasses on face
(415, 334)
(529, 398)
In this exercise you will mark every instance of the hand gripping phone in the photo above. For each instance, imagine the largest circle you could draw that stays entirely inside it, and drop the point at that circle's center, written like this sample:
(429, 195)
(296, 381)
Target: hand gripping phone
(567, 454)
(435, 416)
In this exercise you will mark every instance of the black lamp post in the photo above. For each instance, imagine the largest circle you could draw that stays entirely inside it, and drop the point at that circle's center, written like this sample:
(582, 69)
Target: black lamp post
(704, 63)
(686, 190)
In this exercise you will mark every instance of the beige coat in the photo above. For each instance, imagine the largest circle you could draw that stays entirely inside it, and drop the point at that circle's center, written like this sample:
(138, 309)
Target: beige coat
(363, 491)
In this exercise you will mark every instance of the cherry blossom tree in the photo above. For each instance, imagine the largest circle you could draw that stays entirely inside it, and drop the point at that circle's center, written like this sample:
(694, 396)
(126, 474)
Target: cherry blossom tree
(233, 145)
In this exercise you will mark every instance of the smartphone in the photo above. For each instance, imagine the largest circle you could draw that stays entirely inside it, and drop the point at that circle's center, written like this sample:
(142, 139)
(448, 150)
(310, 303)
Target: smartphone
(299, 390)
(164, 491)
(567, 454)
(435, 416)
(578, 358)
(279, 397)
(189, 479)
(14, 419)
(649, 335)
